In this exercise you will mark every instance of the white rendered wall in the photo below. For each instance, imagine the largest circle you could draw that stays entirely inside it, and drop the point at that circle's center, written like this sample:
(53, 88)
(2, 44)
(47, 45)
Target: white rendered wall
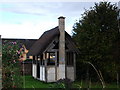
(61, 71)
(50, 74)
(70, 73)
(42, 73)
(34, 70)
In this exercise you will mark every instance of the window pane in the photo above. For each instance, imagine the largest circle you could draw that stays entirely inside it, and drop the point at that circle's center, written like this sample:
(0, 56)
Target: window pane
(51, 59)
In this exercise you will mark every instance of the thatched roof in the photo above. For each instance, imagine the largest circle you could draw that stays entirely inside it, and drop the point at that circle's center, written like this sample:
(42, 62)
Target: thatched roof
(42, 43)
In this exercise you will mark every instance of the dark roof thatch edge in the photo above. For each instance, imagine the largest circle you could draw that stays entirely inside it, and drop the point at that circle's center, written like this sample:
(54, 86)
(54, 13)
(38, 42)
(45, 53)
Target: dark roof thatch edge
(42, 43)
(72, 42)
(44, 40)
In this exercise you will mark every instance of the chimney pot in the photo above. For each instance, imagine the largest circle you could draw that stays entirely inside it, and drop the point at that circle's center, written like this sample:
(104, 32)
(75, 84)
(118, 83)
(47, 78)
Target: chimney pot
(61, 17)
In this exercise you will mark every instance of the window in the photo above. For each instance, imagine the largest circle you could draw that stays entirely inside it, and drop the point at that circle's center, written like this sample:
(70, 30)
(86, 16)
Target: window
(51, 58)
(38, 58)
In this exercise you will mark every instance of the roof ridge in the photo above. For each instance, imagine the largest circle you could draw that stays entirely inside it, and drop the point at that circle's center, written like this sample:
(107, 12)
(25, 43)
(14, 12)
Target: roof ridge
(51, 29)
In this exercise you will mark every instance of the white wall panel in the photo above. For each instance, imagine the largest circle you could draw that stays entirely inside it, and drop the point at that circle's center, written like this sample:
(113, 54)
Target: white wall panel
(50, 74)
(70, 73)
(42, 73)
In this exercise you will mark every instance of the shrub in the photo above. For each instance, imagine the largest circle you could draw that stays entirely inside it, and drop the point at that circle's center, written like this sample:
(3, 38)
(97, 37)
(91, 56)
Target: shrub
(11, 77)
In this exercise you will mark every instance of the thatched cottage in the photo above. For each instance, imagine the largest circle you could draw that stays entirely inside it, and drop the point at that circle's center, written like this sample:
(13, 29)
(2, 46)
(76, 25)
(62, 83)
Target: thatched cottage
(54, 55)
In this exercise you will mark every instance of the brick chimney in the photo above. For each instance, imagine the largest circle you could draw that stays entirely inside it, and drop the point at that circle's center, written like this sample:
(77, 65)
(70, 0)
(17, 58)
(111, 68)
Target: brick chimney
(61, 21)
(62, 40)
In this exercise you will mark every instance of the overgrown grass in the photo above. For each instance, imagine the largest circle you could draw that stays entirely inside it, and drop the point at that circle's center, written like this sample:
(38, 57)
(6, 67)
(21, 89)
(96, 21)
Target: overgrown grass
(83, 84)
(30, 82)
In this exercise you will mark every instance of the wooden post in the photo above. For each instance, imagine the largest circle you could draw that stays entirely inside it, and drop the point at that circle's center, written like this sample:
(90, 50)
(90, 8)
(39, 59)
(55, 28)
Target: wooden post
(56, 65)
(43, 66)
(47, 56)
(36, 66)
(32, 67)
(74, 56)
(40, 66)
(62, 47)
(66, 65)
(46, 67)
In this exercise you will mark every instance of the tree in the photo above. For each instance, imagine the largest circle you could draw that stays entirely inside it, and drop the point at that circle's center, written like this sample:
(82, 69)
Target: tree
(97, 35)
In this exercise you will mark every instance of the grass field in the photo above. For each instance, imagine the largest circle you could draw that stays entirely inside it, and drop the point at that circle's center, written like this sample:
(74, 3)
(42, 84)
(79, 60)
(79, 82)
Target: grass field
(30, 82)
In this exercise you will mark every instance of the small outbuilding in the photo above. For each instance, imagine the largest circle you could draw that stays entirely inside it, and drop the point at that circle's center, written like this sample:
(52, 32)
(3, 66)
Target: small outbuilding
(54, 55)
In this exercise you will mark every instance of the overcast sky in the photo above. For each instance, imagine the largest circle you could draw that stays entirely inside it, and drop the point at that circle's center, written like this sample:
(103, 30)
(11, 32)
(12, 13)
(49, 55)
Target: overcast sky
(29, 19)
